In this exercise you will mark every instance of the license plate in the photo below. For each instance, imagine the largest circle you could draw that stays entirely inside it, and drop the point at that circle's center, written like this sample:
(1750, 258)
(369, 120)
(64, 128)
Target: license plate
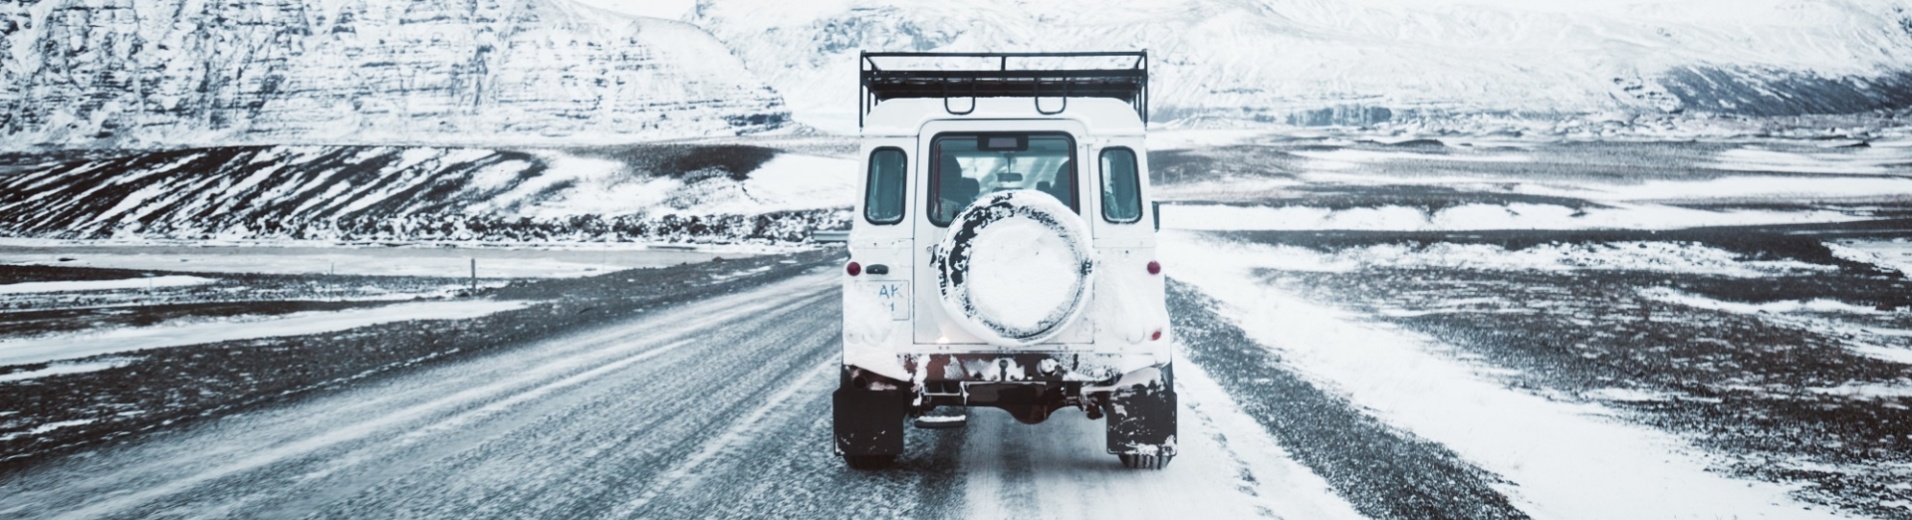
(893, 295)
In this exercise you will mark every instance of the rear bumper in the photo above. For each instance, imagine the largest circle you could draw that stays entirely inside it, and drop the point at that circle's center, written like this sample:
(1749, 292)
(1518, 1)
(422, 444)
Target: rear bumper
(1010, 367)
(1030, 386)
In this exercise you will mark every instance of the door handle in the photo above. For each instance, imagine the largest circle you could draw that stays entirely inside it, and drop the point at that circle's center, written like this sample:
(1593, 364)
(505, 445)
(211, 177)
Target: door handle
(877, 269)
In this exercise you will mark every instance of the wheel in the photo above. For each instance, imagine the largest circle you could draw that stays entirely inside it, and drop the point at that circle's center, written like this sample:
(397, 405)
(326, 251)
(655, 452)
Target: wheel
(867, 462)
(869, 426)
(1145, 461)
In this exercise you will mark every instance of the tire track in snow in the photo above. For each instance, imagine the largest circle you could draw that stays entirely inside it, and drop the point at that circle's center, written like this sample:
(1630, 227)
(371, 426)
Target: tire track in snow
(685, 472)
(786, 468)
(1227, 467)
(595, 449)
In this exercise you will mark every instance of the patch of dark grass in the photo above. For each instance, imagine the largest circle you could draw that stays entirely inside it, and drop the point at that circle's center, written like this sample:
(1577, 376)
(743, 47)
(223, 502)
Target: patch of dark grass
(11, 274)
(1178, 166)
(679, 160)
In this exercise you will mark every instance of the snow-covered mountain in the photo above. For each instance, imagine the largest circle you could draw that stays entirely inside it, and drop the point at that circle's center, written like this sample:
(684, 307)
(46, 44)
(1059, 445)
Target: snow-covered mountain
(91, 73)
(1360, 61)
(159, 73)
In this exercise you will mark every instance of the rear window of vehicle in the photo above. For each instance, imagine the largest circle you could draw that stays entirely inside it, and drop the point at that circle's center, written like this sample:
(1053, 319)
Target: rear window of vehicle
(1121, 186)
(965, 167)
(883, 203)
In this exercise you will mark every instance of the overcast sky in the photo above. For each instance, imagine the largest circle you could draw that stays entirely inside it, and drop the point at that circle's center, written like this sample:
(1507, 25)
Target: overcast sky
(672, 9)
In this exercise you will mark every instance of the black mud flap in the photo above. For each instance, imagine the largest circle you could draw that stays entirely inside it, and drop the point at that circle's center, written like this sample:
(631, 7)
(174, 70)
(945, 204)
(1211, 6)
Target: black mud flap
(1142, 418)
(870, 423)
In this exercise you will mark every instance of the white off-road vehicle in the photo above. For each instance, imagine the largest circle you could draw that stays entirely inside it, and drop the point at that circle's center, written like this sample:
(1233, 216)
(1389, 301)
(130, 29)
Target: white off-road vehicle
(1003, 251)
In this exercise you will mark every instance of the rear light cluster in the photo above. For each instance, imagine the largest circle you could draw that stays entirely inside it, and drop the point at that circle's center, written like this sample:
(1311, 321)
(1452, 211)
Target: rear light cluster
(1155, 268)
(854, 268)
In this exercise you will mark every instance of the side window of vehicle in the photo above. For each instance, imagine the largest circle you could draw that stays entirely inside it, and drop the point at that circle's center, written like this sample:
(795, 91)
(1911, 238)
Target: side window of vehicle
(883, 203)
(1121, 187)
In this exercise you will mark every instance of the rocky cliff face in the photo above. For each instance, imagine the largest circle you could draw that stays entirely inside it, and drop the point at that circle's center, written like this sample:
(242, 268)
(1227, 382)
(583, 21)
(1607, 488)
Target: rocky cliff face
(164, 72)
(1363, 61)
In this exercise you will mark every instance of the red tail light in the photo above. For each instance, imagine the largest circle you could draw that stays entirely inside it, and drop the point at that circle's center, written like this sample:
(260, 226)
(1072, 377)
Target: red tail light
(1157, 336)
(854, 268)
(1155, 267)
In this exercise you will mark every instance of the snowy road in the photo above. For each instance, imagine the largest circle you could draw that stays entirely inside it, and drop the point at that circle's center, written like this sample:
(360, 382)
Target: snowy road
(719, 407)
(716, 408)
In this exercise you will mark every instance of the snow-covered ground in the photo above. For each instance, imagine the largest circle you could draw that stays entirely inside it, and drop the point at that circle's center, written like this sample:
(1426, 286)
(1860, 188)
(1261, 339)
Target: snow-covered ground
(102, 285)
(64, 347)
(1894, 255)
(1632, 256)
(1475, 217)
(1461, 184)
(492, 260)
(1561, 460)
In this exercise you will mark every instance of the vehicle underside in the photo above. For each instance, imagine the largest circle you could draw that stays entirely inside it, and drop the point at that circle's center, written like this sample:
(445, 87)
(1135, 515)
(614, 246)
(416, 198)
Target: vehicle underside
(872, 410)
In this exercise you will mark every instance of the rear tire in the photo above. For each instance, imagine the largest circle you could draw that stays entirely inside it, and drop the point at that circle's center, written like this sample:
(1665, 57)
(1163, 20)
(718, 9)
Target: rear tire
(869, 426)
(1154, 462)
(869, 462)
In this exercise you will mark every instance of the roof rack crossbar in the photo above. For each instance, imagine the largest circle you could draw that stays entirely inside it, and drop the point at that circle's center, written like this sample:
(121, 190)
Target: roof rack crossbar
(1129, 84)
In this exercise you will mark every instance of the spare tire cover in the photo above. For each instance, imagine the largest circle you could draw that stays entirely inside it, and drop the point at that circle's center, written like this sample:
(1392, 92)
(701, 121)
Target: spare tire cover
(1015, 268)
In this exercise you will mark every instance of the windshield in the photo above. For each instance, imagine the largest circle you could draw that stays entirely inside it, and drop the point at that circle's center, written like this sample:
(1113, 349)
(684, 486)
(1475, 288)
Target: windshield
(965, 167)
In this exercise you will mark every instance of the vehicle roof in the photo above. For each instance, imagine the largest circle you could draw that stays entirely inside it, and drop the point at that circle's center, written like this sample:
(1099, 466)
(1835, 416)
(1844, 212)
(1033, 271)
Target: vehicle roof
(906, 117)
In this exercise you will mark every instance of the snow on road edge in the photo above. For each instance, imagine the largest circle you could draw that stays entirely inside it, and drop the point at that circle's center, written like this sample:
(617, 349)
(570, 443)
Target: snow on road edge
(103, 285)
(1289, 488)
(1479, 217)
(1564, 460)
(74, 346)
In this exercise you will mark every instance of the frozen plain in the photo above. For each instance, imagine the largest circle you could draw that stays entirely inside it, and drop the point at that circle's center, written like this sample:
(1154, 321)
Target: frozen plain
(1339, 366)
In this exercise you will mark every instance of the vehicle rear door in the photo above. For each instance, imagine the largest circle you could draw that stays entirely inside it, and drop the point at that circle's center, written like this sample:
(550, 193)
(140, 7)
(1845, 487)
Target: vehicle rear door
(932, 324)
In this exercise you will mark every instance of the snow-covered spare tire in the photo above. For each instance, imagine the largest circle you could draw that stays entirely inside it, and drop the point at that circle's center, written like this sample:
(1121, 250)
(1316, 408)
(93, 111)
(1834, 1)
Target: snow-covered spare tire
(1015, 268)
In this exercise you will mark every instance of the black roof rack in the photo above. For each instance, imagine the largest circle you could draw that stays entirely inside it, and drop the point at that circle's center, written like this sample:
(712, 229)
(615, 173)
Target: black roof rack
(1129, 84)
